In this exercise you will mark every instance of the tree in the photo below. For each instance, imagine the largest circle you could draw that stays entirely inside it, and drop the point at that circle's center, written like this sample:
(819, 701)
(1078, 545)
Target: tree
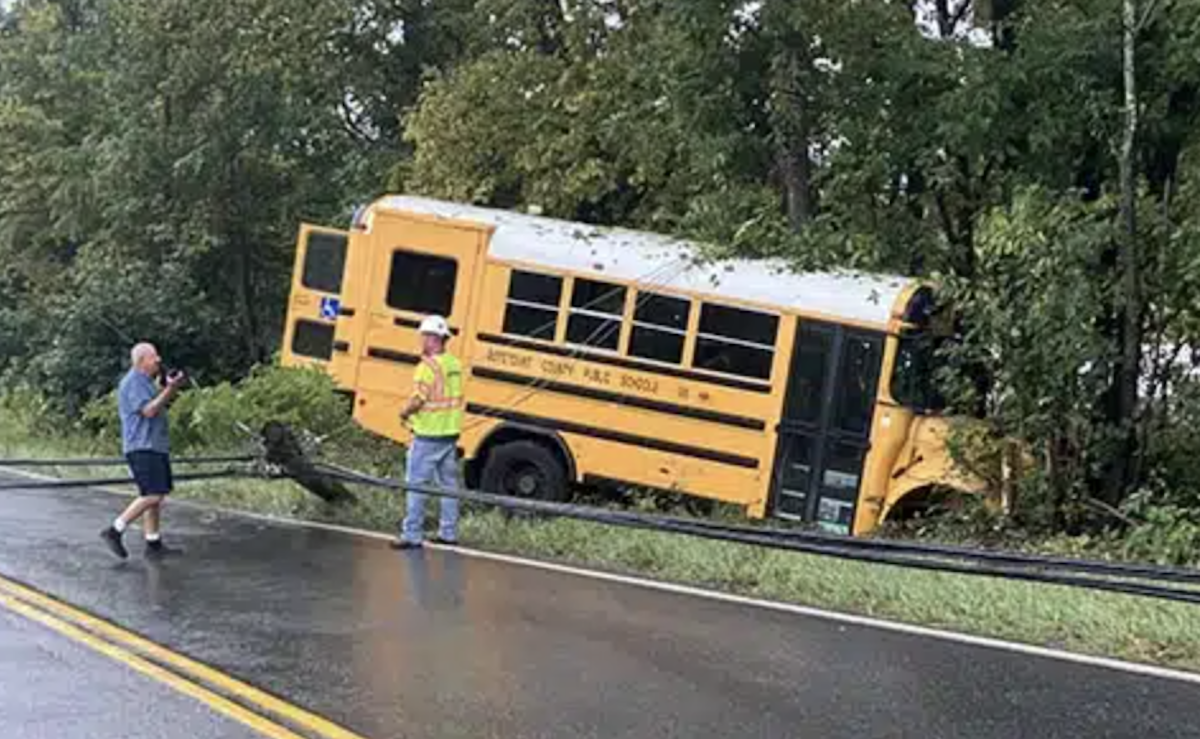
(172, 145)
(1129, 301)
(1039, 160)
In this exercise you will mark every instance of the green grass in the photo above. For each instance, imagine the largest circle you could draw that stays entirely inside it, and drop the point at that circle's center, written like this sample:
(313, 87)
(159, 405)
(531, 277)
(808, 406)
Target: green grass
(1107, 624)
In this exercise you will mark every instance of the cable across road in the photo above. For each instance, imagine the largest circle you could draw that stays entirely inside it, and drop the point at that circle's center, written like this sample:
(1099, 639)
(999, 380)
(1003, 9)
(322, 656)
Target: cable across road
(1139, 579)
(109, 481)
(121, 461)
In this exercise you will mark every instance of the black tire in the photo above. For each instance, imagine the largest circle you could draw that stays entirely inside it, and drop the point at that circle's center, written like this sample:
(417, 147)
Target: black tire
(525, 469)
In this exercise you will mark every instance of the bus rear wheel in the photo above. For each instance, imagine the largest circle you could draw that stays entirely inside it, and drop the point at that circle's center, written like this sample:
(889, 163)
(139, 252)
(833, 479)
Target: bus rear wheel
(525, 469)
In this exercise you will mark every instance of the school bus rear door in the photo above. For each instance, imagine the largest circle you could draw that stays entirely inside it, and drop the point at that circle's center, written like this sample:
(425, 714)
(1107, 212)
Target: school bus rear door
(315, 300)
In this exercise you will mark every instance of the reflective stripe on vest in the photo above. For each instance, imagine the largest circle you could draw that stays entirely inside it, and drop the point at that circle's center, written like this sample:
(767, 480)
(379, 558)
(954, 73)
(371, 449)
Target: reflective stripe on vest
(441, 411)
(436, 397)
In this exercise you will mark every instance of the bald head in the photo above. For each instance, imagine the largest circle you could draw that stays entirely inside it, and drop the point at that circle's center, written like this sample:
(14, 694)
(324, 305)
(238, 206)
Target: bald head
(144, 358)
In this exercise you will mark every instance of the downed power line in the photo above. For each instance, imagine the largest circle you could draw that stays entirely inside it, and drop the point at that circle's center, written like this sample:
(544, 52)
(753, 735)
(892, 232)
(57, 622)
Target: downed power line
(281, 455)
(1112, 577)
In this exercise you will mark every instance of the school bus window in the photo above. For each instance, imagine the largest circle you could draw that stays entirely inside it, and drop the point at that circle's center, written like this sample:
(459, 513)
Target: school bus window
(810, 368)
(795, 472)
(860, 375)
(735, 341)
(324, 261)
(659, 328)
(422, 283)
(532, 306)
(597, 309)
(312, 339)
(839, 485)
(914, 377)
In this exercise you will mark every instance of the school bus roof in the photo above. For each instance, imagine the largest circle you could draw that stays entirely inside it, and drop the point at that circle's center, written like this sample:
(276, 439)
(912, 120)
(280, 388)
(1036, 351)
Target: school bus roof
(653, 261)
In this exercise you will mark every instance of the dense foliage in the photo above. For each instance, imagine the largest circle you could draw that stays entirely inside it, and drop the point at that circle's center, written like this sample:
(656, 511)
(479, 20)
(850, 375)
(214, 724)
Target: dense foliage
(1035, 158)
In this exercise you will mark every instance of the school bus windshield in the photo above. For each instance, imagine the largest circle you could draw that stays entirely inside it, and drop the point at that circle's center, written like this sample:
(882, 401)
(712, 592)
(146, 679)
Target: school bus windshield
(914, 379)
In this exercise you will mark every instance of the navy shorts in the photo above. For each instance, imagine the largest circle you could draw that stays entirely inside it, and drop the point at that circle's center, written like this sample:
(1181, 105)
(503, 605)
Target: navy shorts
(151, 471)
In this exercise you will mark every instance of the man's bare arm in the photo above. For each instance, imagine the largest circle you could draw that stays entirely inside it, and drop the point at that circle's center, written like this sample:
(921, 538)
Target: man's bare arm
(164, 397)
(415, 404)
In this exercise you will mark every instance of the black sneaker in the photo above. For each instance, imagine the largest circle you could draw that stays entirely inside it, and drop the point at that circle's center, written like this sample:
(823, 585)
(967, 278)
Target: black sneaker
(445, 542)
(403, 545)
(158, 549)
(113, 539)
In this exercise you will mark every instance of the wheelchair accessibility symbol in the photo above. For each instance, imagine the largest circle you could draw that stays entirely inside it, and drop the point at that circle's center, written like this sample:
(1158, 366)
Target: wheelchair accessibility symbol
(330, 308)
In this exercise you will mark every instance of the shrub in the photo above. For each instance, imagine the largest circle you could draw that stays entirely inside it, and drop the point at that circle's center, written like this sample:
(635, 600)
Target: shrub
(1166, 534)
(26, 412)
(217, 418)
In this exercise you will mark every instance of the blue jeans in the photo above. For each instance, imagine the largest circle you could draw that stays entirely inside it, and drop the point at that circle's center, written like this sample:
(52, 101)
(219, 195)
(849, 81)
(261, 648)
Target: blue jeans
(431, 463)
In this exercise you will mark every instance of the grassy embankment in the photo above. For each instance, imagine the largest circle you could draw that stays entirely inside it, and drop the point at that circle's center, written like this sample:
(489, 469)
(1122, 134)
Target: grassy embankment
(1095, 623)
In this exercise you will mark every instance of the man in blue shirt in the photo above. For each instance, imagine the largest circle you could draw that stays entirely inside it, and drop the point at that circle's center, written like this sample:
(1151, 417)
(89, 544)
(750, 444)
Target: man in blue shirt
(144, 440)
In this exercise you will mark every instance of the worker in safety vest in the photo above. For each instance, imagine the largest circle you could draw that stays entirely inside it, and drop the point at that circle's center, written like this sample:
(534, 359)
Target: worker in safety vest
(435, 415)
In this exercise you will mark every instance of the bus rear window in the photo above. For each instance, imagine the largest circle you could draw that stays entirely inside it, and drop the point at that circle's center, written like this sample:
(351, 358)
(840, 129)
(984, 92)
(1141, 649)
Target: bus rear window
(324, 262)
(736, 342)
(313, 340)
(422, 283)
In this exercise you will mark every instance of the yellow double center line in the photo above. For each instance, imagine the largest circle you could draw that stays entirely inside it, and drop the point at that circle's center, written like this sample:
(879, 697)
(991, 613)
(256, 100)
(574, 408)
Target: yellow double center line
(255, 708)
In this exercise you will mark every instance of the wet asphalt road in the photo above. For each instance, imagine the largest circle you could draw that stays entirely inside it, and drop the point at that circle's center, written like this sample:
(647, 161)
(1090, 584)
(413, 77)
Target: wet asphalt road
(434, 645)
(53, 688)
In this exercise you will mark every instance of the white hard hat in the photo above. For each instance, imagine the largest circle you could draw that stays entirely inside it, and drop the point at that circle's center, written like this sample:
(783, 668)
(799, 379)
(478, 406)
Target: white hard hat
(435, 325)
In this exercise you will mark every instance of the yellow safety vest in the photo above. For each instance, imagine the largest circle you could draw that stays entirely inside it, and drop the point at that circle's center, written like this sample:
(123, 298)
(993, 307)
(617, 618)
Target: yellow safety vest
(438, 382)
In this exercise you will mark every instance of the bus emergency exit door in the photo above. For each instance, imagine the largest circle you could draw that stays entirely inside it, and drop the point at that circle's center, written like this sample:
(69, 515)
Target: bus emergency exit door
(315, 299)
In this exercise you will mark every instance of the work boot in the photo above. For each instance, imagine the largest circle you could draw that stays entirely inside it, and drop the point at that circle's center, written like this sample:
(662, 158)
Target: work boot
(113, 539)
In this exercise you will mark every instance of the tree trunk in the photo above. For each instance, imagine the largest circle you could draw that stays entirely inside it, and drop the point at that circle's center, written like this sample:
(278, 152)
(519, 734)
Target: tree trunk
(1129, 283)
(790, 123)
(998, 16)
(245, 295)
(550, 28)
(242, 245)
(942, 11)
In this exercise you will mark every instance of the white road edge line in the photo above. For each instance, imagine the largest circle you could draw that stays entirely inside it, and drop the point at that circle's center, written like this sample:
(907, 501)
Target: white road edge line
(1165, 673)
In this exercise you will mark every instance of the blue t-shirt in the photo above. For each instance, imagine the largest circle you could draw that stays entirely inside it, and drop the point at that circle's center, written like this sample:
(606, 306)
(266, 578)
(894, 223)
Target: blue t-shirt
(139, 433)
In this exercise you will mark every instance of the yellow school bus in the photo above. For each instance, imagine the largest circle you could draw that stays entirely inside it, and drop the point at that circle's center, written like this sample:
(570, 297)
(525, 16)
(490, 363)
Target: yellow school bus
(597, 355)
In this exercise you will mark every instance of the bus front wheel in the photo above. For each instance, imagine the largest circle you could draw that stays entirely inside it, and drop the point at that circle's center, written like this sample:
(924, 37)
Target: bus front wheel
(525, 469)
